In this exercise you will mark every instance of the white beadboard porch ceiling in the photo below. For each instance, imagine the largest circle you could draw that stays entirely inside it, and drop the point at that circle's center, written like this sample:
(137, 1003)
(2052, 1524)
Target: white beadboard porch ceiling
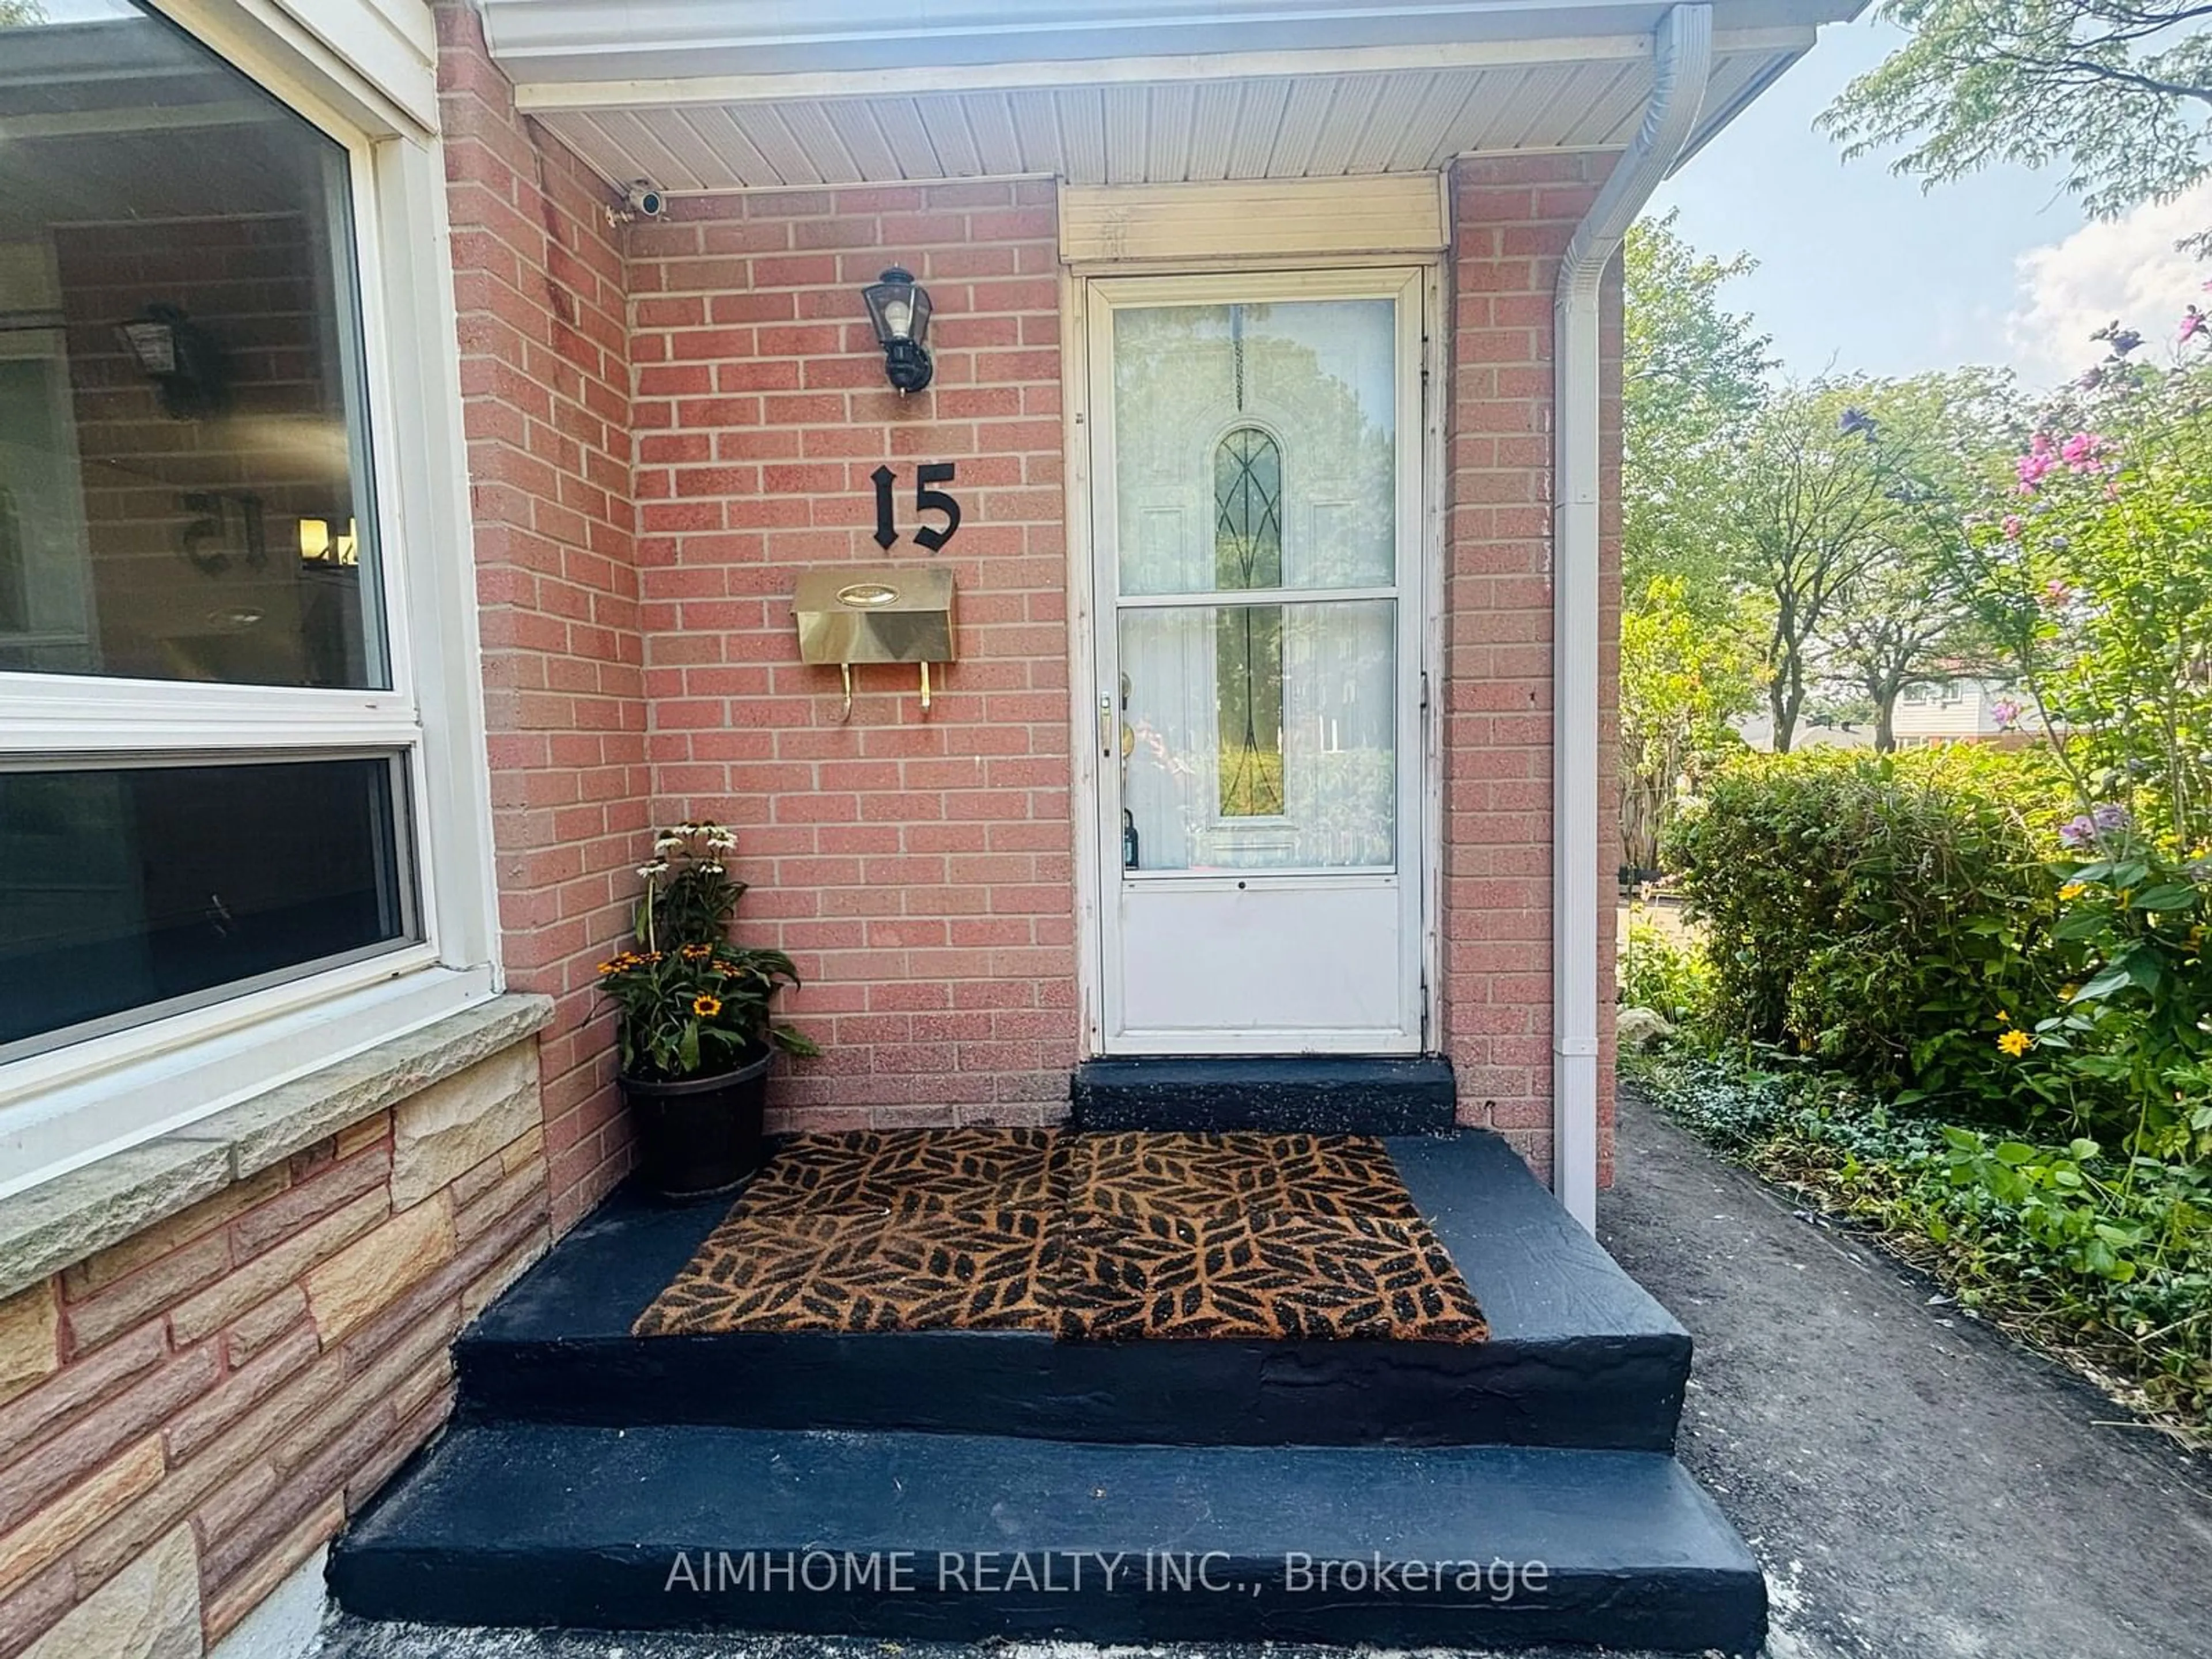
(698, 96)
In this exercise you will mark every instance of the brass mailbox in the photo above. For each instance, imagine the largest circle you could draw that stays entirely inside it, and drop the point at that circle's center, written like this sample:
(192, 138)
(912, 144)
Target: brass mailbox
(853, 614)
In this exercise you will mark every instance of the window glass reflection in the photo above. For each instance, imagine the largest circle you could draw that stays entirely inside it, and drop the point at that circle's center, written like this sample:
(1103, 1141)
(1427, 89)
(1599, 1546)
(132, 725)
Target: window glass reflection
(184, 476)
(130, 888)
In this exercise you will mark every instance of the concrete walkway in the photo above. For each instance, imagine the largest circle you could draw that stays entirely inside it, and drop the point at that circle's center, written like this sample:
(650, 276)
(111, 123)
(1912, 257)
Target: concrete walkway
(1916, 1486)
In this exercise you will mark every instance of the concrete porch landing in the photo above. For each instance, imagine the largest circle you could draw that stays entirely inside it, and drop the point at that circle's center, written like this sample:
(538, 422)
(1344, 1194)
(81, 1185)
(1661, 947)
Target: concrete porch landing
(1578, 1354)
(586, 1463)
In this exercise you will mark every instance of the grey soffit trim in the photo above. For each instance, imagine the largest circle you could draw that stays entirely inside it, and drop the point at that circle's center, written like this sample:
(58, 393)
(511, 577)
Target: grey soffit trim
(59, 1223)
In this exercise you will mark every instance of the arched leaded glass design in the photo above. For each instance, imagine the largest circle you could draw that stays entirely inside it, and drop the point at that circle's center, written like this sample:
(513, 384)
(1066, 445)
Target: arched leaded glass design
(1247, 510)
(1248, 648)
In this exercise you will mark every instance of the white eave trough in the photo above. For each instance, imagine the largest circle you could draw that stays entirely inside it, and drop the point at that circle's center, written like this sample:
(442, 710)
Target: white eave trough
(701, 95)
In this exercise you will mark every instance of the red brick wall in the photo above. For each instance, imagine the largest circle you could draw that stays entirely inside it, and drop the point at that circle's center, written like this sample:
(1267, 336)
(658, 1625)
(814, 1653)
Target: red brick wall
(545, 375)
(1513, 217)
(920, 870)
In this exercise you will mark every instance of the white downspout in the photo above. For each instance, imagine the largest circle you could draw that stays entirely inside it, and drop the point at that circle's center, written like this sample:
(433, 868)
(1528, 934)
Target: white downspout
(1682, 56)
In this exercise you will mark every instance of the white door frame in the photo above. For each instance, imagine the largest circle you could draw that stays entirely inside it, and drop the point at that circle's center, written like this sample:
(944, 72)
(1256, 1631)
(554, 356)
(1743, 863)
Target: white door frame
(1088, 293)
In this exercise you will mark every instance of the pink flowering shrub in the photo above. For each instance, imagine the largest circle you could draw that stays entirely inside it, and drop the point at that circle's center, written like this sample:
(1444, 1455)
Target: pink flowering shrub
(2095, 579)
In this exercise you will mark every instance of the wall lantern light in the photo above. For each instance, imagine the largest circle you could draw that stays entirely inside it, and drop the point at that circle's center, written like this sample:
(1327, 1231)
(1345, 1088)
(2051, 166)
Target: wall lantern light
(899, 307)
(182, 359)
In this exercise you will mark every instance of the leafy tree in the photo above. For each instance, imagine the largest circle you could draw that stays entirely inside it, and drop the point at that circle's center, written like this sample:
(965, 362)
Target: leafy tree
(1910, 618)
(1848, 497)
(1693, 376)
(2116, 91)
(1682, 681)
(1904, 610)
(20, 13)
(1811, 515)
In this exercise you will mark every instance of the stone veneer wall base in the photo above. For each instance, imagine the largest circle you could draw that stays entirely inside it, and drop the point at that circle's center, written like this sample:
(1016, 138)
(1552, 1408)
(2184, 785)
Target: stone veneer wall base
(215, 1347)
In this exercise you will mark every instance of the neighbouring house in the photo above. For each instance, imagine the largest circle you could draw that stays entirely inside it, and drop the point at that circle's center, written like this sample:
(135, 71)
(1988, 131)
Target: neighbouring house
(1967, 709)
(416, 423)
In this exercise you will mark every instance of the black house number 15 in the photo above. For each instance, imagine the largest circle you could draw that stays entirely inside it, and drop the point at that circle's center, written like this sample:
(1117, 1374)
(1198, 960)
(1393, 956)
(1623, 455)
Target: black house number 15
(925, 500)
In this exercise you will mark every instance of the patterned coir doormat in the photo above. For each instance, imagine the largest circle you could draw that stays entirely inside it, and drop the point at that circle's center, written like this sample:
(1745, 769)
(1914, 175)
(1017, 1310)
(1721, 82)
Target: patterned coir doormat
(1116, 1237)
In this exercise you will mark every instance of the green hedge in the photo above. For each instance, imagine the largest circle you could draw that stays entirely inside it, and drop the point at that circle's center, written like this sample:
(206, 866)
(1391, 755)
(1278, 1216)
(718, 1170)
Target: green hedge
(1884, 913)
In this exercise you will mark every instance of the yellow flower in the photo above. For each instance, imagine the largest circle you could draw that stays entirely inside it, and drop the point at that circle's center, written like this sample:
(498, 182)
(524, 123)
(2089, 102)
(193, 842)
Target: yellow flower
(2067, 992)
(2073, 890)
(705, 1006)
(2015, 1044)
(697, 952)
(2004, 1019)
(610, 967)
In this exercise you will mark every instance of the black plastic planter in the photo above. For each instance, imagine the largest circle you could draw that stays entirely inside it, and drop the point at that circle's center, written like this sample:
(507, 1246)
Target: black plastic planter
(702, 1135)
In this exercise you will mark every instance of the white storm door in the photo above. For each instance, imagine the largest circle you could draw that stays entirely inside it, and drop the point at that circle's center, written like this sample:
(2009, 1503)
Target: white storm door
(1256, 475)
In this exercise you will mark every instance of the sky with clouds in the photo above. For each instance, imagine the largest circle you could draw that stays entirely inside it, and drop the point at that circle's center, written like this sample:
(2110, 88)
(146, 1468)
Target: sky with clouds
(1863, 272)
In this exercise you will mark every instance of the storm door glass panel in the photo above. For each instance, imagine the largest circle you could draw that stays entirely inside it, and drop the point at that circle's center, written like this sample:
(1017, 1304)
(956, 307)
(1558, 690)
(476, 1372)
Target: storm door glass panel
(1330, 780)
(1256, 454)
(1311, 386)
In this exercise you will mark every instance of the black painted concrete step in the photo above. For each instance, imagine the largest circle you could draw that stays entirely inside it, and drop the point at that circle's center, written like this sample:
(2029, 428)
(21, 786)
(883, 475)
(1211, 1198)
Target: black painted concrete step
(1290, 1094)
(1579, 1355)
(746, 1529)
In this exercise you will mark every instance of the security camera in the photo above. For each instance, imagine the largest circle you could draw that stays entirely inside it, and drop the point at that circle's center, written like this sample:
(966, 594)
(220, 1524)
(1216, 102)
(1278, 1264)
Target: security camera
(644, 200)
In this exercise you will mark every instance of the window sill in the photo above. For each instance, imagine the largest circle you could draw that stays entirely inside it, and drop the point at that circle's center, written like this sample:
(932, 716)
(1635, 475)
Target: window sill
(73, 1105)
(60, 1222)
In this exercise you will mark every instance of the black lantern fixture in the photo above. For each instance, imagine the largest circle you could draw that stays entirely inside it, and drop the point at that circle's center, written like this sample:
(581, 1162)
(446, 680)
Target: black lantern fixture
(899, 307)
(182, 359)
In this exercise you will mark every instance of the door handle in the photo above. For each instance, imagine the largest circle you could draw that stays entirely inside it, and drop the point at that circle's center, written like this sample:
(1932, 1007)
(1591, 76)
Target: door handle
(1106, 727)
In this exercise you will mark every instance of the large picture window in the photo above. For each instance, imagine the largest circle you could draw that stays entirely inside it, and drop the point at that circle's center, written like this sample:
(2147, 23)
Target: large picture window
(216, 779)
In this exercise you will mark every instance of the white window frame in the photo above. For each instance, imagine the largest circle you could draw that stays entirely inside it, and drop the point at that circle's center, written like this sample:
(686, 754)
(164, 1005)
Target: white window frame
(69, 1105)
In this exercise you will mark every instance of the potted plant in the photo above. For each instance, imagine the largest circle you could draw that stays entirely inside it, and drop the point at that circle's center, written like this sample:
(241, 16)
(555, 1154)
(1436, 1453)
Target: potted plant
(698, 1031)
